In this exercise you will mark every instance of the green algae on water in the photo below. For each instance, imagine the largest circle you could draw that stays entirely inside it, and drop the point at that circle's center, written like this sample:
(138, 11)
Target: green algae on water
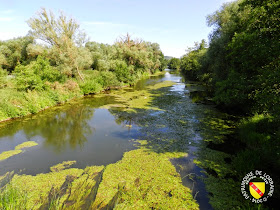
(26, 145)
(8, 154)
(62, 166)
(18, 149)
(143, 179)
(66, 189)
(138, 99)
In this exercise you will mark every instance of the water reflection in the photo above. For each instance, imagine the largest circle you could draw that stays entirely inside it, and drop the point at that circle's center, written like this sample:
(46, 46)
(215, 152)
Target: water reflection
(65, 128)
(58, 128)
(77, 131)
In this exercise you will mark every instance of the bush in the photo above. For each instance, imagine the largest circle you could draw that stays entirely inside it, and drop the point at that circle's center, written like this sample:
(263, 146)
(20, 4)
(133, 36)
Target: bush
(36, 74)
(233, 92)
(108, 79)
(43, 68)
(259, 133)
(124, 73)
(91, 86)
(26, 79)
(3, 78)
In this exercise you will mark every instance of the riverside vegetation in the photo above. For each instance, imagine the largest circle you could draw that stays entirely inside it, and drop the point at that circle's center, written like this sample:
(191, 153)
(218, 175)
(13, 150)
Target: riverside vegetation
(241, 68)
(36, 76)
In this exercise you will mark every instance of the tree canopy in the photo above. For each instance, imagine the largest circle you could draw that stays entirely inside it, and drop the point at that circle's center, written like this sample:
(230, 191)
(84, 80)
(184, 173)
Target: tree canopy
(65, 41)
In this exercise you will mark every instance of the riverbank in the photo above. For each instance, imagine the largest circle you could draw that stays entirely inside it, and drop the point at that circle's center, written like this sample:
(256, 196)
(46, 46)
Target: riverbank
(15, 104)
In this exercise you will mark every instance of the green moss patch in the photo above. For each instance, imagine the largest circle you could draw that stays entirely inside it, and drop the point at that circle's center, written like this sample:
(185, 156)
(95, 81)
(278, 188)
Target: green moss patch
(8, 154)
(62, 166)
(18, 149)
(143, 180)
(138, 99)
(66, 189)
(26, 145)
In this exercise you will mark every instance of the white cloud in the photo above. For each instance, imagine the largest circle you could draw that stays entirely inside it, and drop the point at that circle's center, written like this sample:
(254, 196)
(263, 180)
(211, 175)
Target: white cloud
(7, 35)
(173, 51)
(6, 19)
(12, 34)
(9, 11)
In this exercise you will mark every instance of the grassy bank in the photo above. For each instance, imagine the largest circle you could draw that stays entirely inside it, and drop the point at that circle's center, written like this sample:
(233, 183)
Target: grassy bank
(23, 94)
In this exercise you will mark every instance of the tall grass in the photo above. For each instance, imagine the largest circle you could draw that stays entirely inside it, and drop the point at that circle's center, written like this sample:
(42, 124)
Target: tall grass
(11, 198)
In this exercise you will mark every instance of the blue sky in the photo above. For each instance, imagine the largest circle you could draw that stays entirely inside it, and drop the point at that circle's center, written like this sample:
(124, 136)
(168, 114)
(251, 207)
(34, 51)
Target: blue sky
(175, 25)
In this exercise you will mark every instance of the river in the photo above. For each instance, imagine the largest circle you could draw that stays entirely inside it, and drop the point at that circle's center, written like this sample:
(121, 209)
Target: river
(97, 130)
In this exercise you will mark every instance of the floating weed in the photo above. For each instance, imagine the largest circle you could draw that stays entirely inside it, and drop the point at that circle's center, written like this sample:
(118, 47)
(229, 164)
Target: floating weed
(18, 149)
(62, 166)
(38, 187)
(26, 145)
(138, 99)
(8, 154)
(143, 179)
(223, 197)
(66, 189)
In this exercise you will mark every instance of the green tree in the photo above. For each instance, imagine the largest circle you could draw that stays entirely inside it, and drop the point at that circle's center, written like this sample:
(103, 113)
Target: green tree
(65, 40)
(13, 52)
(191, 62)
(174, 63)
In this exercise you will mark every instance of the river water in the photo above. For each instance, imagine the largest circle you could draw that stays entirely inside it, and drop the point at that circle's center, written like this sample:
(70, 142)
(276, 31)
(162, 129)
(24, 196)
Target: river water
(92, 132)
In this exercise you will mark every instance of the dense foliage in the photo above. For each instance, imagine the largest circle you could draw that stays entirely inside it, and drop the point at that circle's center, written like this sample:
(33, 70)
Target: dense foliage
(174, 63)
(35, 75)
(242, 67)
(242, 61)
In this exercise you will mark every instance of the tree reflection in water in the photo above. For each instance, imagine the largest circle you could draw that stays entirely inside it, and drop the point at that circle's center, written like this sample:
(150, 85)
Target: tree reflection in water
(60, 127)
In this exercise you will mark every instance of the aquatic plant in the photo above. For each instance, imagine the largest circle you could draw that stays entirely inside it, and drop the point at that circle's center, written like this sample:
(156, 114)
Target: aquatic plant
(62, 166)
(143, 179)
(18, 149)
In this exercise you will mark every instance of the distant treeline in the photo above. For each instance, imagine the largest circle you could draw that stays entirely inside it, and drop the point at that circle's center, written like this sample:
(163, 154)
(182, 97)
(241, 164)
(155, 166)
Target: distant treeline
(35, 75)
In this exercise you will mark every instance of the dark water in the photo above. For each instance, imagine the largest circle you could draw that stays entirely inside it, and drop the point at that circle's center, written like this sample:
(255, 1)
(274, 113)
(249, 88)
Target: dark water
(91, 135)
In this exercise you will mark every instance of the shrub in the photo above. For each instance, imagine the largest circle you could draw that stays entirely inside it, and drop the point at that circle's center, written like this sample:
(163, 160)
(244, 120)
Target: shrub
(108, 79)
(71, 85)
(90, 86)
(43, 68)
(124, 73)
(35, 75)
(26, 79)
(3, 78)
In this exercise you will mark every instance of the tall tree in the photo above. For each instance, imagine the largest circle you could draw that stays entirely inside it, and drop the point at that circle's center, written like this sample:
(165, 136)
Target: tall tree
(65, 39)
